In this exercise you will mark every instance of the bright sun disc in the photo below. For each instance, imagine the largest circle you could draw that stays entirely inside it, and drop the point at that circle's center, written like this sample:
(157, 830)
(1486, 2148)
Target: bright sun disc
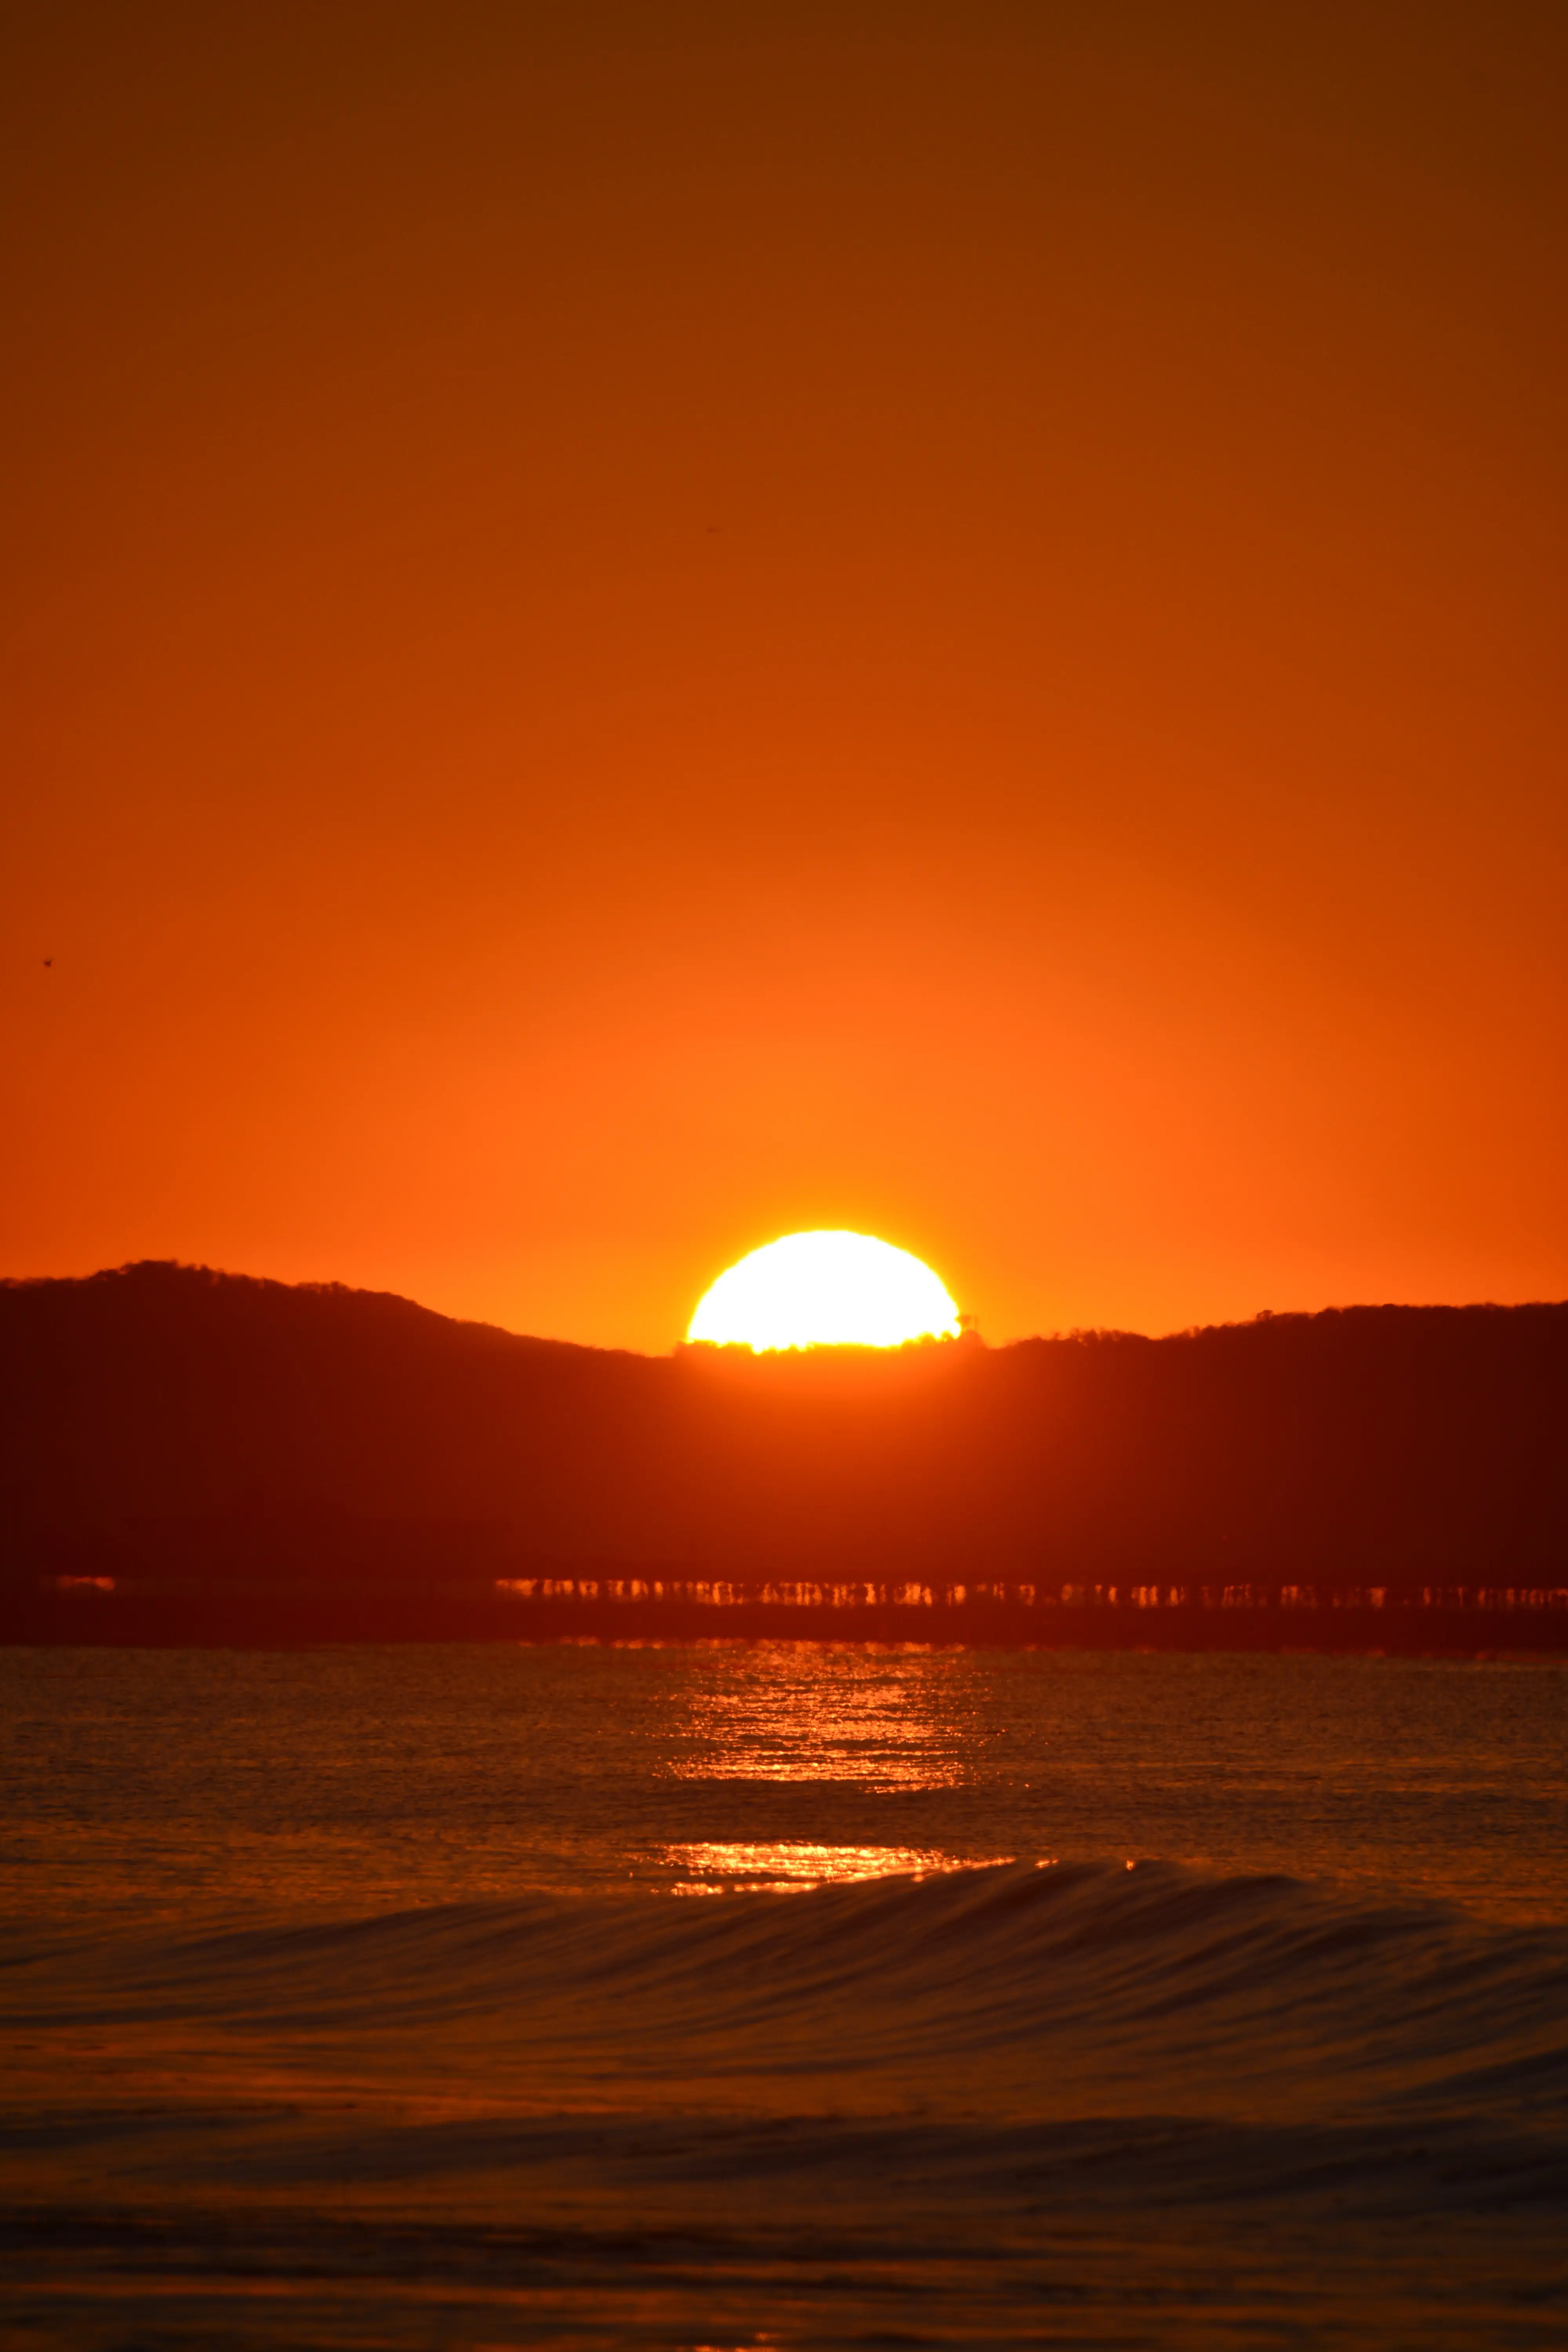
(825, 1290)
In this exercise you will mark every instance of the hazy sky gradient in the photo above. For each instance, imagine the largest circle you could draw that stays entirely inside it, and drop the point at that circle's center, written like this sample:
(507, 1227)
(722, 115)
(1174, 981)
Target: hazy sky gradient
(628, 628)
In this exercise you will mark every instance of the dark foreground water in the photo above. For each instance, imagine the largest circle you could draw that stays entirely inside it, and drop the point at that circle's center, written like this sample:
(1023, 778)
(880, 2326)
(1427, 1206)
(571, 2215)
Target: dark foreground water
(800, 1996)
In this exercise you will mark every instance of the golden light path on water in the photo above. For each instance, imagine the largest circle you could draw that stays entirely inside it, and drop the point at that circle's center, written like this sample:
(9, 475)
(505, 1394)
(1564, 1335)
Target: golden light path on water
(790, 1866)
(796, 1713)
(786, 1713)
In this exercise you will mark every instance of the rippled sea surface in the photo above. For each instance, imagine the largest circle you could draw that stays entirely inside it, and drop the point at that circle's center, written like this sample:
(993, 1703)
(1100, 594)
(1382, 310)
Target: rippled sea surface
(812, 1996)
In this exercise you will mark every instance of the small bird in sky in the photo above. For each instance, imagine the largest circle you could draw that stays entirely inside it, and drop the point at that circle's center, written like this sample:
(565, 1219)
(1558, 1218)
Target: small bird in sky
(47, 961)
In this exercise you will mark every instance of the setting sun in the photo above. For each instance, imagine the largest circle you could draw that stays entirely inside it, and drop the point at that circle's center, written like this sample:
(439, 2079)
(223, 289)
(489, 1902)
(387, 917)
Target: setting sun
(825, 1290)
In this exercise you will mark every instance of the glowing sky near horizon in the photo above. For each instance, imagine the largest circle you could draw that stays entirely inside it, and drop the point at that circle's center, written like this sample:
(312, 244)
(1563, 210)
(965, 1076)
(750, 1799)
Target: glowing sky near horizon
(624, 629)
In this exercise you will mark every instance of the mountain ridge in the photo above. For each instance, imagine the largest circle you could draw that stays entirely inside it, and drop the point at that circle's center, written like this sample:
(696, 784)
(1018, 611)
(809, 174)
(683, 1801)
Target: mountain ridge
(1385, 1446)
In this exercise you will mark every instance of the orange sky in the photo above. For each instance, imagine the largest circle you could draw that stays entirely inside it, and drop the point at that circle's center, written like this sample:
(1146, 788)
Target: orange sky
(627, 628)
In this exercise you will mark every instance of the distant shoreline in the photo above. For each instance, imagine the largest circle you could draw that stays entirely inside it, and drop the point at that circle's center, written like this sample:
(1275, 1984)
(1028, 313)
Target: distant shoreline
(99, 1613)
(194, 1458)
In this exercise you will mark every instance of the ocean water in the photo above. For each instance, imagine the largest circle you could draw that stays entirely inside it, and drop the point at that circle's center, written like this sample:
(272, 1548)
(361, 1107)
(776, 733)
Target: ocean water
(797, 1995)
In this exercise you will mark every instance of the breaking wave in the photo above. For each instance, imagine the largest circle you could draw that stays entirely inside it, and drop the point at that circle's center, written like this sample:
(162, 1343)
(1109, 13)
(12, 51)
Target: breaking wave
(1048, 1983)
(906, 2109)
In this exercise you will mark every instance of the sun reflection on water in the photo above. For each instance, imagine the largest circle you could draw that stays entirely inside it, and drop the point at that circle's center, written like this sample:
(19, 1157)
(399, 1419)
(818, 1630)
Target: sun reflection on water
(792, 1867)
(876, 1722)
(787, 1711)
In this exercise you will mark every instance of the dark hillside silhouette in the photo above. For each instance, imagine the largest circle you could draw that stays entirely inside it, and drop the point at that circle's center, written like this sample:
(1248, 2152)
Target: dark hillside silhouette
(187, 1433)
